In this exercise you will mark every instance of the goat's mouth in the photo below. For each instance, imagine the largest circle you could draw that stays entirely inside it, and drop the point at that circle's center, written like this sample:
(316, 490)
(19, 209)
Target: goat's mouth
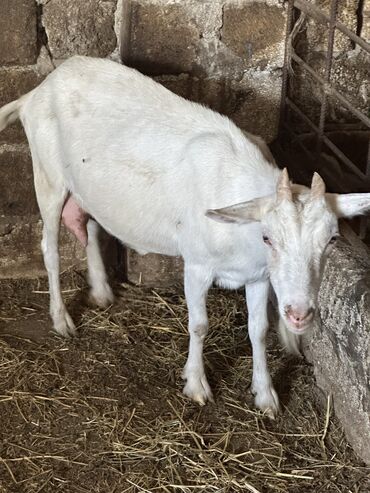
(299, 327)
(303, 329)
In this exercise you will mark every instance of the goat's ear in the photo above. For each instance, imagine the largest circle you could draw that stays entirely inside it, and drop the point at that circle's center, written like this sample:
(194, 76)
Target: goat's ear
(349, 204)
(243, 213)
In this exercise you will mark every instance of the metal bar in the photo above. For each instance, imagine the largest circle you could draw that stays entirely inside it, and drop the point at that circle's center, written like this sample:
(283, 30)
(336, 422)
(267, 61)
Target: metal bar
(300, 113)
(343, 158)
(301, 176)
(299, 142)
(345, 126)
(331, 90)
(328, 65)
(334, 180)
(316, 13)
(284, 86)
(327, 141)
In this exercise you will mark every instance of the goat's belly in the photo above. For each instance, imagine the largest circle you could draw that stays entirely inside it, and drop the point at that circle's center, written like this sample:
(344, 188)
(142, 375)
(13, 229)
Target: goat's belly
(140, 238)
(234, 278)
(163, 245)
(141, 226)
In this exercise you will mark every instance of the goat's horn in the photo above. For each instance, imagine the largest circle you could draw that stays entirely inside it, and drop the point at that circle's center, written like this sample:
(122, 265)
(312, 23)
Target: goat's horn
(284, 192)
(317, 187)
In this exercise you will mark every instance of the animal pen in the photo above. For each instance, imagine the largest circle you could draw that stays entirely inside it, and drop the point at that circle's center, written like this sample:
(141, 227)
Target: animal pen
(104, 412)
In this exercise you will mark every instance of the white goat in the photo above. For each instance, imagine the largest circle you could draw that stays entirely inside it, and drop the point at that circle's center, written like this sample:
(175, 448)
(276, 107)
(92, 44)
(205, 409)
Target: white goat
(154, 170)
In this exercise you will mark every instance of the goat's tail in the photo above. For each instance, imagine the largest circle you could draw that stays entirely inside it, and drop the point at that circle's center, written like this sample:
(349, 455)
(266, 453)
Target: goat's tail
(291, 342)
(10, 112)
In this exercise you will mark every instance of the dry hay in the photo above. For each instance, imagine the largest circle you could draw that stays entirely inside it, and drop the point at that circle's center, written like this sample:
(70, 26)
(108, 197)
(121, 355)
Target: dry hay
(104, 412)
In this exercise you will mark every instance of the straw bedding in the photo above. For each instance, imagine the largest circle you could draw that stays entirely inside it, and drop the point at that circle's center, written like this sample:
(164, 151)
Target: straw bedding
(104, 412)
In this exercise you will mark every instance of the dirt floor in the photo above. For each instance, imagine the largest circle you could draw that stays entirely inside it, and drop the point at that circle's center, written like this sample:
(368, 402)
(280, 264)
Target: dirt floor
(104, 412)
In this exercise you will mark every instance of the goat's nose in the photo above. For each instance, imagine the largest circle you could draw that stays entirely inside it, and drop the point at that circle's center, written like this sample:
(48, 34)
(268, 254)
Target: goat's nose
(299, 316)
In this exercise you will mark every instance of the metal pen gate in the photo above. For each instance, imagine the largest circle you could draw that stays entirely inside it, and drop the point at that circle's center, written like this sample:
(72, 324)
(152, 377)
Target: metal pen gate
(294, 121)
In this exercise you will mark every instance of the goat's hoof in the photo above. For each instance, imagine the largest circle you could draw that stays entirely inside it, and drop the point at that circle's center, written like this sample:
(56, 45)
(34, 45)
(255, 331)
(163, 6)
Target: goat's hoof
(64, 325)
(270, 413)
(102, 297)
(268, 402)
(197, 389)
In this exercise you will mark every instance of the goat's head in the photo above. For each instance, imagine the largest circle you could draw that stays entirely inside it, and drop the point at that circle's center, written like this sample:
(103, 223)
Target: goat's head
(299, 228)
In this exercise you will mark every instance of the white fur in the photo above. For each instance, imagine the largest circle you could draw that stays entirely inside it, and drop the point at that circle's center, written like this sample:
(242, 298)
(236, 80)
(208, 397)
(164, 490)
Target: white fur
(147, 165)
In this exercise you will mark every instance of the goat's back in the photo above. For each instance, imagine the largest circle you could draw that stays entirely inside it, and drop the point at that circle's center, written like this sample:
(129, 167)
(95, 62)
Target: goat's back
(143, 161)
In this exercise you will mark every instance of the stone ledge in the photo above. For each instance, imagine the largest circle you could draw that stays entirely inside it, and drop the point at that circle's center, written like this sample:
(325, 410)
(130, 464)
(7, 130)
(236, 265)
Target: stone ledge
(340, 345)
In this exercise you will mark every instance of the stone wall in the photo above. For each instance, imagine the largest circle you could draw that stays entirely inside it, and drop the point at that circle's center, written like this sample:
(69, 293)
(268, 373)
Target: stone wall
(227, 54)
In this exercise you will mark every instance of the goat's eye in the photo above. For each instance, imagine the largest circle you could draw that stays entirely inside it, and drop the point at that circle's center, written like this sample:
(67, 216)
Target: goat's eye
(266, 240)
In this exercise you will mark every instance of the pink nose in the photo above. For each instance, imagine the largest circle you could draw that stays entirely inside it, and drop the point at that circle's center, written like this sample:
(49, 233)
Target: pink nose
(299, 316)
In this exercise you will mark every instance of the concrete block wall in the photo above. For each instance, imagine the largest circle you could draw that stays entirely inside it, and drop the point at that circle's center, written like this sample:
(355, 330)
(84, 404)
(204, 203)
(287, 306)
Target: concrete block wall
(227, 54)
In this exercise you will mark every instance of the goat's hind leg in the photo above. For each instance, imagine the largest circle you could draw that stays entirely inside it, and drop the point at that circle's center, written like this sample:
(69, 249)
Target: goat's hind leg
(100, 292)
(51, 198)
(86, 230)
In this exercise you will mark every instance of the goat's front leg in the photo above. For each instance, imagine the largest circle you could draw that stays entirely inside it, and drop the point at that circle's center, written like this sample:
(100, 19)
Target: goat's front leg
(197, 283)
(266, 398)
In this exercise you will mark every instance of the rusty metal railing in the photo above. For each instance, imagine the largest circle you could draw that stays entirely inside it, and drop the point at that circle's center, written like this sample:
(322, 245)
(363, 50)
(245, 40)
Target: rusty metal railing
(307, 9)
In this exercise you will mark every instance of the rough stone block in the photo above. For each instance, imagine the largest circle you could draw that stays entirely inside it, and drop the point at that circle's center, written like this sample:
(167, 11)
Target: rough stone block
(207, 91)
(20, 251)
(205, 38)
(78, 27)
(182, 84)
(253, 103)
(17, 196)
(255, 33)
(163, 39)
(14, 82)
(18, 32)
(365, 31)
(340, 345)
(317, 32)
(349, 76)
(211, 92)
(152, 269)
